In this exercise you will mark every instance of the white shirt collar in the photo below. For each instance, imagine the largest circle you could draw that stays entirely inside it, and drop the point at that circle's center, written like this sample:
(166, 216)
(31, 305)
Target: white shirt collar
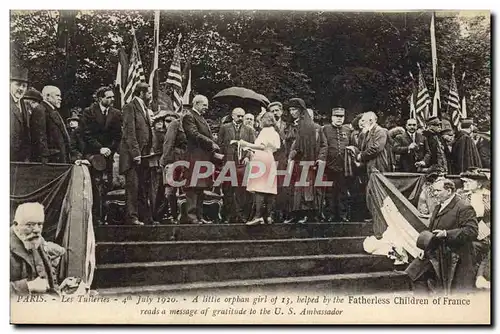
(103, 108)
(196, 111)
(14, 98)
(447, 202)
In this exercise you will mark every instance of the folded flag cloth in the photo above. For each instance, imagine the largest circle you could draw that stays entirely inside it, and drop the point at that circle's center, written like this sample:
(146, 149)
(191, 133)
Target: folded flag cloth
(350, 160)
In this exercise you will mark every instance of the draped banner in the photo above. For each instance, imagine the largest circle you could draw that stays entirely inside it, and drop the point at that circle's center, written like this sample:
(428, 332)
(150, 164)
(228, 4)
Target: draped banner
(382, 193)
(66, 193)
(392, 199)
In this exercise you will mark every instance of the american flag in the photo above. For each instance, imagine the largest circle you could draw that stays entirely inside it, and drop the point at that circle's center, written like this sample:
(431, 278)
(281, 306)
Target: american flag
(454, 100)
(135, 72)
(174, 78)
(423, 100)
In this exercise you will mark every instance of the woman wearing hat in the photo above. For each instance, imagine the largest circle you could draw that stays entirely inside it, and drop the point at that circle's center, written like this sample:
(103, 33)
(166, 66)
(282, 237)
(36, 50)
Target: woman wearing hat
(310, 145)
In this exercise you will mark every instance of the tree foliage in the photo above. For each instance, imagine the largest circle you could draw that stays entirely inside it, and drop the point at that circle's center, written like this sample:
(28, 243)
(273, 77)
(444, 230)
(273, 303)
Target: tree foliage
(360, 61)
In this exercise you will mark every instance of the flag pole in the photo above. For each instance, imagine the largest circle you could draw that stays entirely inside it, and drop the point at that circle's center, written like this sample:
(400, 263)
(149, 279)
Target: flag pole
(437, 98)
(153, 77)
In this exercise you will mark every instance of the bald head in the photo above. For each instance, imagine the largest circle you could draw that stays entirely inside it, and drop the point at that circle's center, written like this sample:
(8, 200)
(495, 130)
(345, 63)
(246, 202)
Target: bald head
(237, 115)
(52, 94)
(200, 104)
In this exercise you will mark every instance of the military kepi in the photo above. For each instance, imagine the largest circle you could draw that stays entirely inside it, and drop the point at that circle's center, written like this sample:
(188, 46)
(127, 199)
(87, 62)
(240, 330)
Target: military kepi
(466, 122)
(338, 111)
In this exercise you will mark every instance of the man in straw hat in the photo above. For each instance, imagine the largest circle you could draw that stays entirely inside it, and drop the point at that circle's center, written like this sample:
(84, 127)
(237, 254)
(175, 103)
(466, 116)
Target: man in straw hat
(20, 143)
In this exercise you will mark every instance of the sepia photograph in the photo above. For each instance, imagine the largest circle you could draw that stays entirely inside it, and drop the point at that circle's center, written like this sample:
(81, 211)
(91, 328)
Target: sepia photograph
(250, 167)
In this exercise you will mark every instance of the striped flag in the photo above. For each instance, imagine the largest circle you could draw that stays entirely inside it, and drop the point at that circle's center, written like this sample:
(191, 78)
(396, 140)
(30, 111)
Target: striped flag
(423, 100)
(153, 77)
(135, 71)
(454, 100)
(174, 78)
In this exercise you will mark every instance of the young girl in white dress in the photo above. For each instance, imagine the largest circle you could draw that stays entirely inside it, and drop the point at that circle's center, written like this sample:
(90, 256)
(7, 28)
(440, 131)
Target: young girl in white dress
(264, 187)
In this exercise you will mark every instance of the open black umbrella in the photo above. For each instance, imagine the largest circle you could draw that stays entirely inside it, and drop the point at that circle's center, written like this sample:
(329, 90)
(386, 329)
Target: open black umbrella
(240, 95)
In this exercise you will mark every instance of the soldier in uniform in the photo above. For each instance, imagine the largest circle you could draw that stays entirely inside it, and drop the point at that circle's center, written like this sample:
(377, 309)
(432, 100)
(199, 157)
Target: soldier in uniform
(337, 136)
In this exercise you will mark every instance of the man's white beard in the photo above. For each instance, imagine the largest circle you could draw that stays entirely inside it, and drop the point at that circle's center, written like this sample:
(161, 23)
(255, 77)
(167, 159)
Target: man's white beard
(32, 244)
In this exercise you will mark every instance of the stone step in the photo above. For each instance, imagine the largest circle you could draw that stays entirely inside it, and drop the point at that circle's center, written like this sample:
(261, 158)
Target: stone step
(213, 270)
(147, 251)
(373, 282)
(120, 233)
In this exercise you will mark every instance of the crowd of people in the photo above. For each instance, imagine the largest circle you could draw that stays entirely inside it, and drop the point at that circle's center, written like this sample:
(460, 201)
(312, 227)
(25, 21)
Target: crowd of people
(294, 151)
(343, 154)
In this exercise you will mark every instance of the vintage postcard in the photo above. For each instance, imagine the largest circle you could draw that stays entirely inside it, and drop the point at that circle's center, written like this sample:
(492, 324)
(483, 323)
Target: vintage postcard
(250, 167)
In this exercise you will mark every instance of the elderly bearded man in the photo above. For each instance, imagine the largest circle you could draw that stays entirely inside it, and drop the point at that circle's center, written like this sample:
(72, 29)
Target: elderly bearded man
(30, 267)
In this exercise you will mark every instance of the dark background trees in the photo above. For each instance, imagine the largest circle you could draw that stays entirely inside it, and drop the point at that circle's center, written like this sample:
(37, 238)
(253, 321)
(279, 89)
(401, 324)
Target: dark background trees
(357, 60)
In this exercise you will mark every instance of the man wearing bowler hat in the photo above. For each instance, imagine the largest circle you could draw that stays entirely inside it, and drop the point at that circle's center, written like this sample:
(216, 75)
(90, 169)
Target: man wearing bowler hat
(448, 262)
(464, 152)
(337, 136)
(101, 136)
(136, 142)
(20, 143)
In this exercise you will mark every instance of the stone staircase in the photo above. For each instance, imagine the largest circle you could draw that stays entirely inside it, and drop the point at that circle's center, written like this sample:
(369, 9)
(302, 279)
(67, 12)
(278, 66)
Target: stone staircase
(315, 256)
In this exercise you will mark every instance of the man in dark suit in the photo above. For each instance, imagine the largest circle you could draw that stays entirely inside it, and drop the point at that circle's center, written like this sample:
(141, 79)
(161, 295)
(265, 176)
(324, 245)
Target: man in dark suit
(373, 151)
(51, 142)
(102, 134)
(31, 271)
(136, 142)
(236, 198)
(410, 147)
(200, 147)
(450, 264)
(20, 143)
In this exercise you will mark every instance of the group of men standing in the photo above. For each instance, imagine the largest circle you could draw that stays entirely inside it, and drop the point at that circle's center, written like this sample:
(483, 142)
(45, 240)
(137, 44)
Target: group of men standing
(348, 152)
